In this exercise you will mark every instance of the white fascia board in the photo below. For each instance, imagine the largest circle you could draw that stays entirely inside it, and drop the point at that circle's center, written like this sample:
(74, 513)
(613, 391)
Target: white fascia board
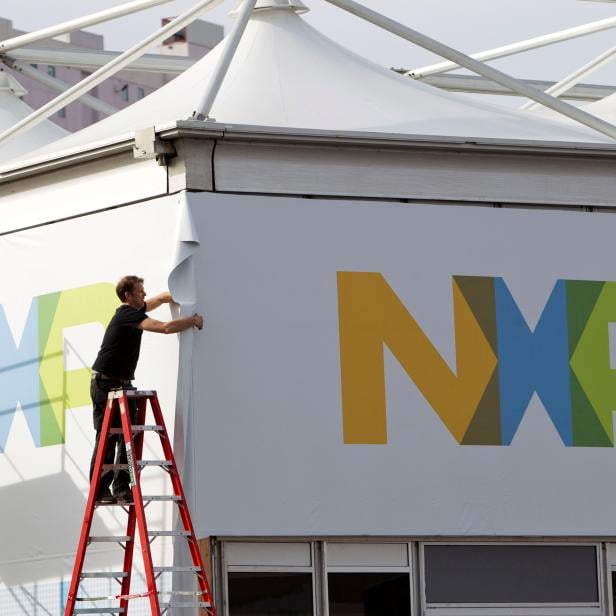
(235, 132)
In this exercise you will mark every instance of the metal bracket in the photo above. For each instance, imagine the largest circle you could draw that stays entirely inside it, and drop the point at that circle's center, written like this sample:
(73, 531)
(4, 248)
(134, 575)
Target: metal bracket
(149, 145)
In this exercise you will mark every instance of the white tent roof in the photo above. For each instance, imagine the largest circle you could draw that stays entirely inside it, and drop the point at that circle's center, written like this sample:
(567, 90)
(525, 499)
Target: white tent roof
(13, 109)
(604, 109)
(287, 74)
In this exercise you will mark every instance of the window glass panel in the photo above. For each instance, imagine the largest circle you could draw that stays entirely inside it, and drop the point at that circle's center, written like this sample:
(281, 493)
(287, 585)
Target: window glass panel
(268, 554)
(270, 594)
(367, 555)
(510, 574)
(369, 594)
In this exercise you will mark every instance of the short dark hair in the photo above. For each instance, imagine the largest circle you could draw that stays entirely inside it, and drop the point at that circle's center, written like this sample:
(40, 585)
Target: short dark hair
(126, 285)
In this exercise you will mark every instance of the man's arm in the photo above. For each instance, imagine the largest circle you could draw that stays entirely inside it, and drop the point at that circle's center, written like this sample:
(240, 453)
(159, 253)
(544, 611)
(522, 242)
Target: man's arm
(171, 327)
(158, 300)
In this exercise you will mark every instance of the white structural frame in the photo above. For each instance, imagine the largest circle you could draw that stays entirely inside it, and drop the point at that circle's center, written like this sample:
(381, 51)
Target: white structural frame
(53, 83)
(77, 24)
(516, 48)
(574, 78)
(480, 85)
(95, 59)
(224, 61)
(445, 51)
(109, 69)
(457, 57)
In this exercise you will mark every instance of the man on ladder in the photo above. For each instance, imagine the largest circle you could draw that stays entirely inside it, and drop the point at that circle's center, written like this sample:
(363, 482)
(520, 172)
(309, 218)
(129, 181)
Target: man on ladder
(115, 368)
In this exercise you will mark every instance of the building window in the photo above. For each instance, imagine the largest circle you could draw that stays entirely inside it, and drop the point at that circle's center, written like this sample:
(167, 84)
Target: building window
(509, 575)
(62, 112)
(140, 93)
(124, 93)
(275, 594)
(368, 579)
(34, 65)
(365, 594)
(51, 71)
(269, 578)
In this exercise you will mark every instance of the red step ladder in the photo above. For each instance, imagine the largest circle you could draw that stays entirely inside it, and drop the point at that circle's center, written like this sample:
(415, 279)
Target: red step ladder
(133, 434)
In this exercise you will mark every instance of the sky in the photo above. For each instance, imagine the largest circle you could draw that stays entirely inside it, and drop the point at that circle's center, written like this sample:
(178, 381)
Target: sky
(468, 25)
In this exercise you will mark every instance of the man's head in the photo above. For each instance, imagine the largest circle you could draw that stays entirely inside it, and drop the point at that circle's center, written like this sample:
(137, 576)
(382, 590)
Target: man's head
(130, 291)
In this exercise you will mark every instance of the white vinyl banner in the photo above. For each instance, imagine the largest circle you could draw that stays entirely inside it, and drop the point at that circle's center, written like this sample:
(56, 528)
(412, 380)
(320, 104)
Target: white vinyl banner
(57, 293)
(401, 369)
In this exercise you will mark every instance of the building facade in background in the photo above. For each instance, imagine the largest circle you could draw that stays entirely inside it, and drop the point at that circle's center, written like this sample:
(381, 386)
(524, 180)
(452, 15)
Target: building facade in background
(122, 89)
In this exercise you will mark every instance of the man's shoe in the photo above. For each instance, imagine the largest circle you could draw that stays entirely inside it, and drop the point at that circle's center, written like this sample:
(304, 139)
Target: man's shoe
(106, 498)
(124, 497)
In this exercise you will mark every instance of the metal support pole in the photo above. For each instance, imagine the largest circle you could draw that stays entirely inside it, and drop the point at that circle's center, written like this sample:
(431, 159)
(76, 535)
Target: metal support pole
(572, 80)
(224, 61)
(430, 44)
(106, 71)
(78, 24)
(53, 83)
(93, 59)
(515, 48)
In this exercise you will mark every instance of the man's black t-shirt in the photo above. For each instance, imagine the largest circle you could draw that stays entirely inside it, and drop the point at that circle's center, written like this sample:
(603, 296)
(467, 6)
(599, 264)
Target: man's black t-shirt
(119, 351)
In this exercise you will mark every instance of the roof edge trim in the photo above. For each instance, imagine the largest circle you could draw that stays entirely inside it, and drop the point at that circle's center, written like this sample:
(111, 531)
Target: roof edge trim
(306, 137)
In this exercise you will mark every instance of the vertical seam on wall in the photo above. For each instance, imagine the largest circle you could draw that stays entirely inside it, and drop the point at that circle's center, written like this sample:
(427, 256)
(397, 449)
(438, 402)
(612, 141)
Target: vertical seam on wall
(213, 172)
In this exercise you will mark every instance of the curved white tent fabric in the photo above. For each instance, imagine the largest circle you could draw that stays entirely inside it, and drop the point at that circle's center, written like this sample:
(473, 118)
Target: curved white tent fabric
(287, 74)
(12, 109)
(604, 109)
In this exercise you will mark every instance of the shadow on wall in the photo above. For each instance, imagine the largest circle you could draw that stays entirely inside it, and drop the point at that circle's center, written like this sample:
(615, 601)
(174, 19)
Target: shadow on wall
(40, 521)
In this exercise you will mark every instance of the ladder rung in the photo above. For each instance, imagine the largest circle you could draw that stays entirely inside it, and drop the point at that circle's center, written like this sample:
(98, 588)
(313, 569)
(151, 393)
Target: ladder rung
(98, 610)
(165, 463)
(171, 569)
(169, 533)
(109, 538)
(141, 463)
(132, 393)
(135, 428)
(166, 606)
(104, 574)
(170, 497)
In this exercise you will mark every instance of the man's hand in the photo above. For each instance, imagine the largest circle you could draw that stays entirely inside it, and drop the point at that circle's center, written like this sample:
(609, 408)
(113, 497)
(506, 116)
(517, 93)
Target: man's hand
(198, 321)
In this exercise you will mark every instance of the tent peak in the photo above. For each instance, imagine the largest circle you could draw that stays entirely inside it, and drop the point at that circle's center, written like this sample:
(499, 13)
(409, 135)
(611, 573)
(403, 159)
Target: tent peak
(263, 5)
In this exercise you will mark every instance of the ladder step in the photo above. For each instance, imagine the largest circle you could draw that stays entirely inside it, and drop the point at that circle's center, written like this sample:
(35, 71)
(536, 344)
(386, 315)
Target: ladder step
(134, 393)
(167, 606)
(169, 533)
(98, 610)
(162, 497)
(183, 569)
(135, 428)
(141, 463)
(104, 574)
(109, 538)
(165, 463)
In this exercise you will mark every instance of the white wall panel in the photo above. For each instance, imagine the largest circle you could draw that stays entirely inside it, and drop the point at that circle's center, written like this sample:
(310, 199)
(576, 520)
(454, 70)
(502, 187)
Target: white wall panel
(78, 190)
(270, 456)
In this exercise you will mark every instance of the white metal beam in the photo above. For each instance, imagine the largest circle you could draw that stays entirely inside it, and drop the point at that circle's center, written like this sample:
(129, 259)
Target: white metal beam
(92, 60)
(571, 80)
(515, 48)
(475, 84)
(224, 61)
(430, 44)
(57, 85)
(78, 24)
(106, 71)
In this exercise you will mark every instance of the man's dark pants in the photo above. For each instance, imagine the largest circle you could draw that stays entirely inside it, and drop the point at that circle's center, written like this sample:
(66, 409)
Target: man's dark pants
(115, 452)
